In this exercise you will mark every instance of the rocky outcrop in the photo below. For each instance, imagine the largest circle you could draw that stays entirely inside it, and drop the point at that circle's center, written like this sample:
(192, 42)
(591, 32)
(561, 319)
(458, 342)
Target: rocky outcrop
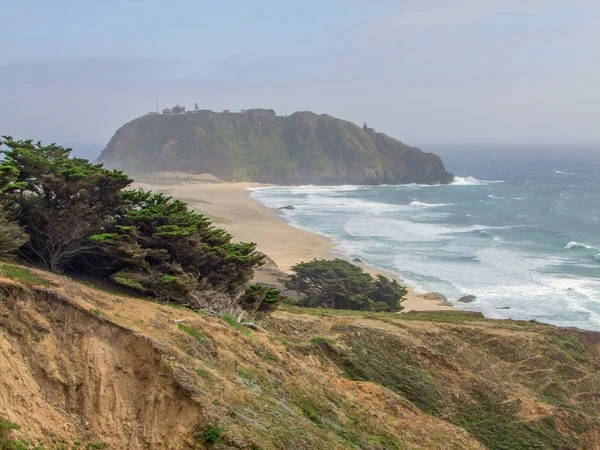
(304, 148)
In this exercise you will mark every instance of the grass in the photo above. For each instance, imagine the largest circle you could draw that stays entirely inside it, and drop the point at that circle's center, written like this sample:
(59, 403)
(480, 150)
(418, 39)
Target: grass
(196, 334)
(98, 313)
(570, 344)
(322, 340)
(232, 320)
(22, 275)
(203, 373)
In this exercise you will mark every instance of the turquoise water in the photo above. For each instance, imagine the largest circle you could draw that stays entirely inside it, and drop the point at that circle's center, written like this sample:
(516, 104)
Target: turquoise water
(517, 234)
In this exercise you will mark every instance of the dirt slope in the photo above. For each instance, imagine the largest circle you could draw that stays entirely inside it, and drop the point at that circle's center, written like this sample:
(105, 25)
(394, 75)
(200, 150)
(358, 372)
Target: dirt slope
(81, 367)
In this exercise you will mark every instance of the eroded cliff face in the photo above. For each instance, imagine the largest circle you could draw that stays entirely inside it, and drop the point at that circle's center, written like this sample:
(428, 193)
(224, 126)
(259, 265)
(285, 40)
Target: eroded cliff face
(259, 146)
(78, 364)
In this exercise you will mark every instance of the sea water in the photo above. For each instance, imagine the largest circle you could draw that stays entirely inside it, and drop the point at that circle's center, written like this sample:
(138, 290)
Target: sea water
(522, 236)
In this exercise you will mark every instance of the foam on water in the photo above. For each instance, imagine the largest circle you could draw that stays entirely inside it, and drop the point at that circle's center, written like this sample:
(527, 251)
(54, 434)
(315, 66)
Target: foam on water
(526, 255)
(472, 181)
(574, 244)
(418, 204)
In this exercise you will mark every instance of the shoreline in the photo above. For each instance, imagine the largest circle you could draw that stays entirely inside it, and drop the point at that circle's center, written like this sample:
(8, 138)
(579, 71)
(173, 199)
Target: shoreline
(230, 206)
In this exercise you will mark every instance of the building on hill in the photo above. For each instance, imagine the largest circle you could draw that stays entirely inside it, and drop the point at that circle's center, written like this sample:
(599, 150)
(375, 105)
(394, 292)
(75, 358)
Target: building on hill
(226, 111)
(167, 111)
(178, 109)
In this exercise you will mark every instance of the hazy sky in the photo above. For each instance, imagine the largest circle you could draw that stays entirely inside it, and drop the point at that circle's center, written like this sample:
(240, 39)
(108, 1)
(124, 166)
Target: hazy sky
(427, 72)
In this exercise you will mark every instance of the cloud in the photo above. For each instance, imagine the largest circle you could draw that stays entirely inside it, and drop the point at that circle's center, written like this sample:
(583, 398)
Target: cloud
(80, 70)
(439, 14)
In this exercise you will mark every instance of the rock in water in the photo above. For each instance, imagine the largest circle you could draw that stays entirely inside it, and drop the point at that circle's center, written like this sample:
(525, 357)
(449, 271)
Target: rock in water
(259, 146)
(467, 299)
(287, 207)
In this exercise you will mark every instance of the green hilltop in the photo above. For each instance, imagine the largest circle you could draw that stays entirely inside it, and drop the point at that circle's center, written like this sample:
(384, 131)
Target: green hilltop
(257, 145)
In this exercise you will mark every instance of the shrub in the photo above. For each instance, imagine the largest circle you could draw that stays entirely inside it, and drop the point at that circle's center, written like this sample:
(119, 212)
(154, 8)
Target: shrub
(259, 300)
(341, 285)
(6, 440)
(12, 236)
(211, 435)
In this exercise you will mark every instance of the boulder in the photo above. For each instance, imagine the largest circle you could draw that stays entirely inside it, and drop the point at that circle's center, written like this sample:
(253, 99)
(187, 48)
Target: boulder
(467, 299)
(437, 297)
(287, 207)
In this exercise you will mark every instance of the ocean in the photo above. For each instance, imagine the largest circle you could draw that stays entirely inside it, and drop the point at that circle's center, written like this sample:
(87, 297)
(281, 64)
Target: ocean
(522, 235)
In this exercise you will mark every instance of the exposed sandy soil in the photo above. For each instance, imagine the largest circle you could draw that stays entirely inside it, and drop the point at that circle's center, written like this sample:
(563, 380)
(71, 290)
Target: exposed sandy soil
(78, 364)
(231, 208)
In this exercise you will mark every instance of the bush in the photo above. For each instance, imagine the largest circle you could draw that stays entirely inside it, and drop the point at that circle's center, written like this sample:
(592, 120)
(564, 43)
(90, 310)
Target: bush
(341, 285)
(259, 301)
(12, 236)
(211, 435)
(6, 440)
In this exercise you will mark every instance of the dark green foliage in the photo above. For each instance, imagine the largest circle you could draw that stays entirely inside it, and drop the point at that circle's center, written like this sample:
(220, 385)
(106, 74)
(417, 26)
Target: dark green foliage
(6, 440)
(388, 294)
(260, 301)
(58, 200)
(78, 216)
(340, 285)
(210, 436)
(162, 248)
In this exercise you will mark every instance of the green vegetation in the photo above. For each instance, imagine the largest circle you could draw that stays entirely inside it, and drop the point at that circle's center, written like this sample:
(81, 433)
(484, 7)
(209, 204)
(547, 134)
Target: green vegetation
(65, 213)
(260, 301)
(6, 440)
(98, 312)
(12, 236)
(198, 335)
(259, 146)
(203, 373)
(337, 284)
(232, 320)
(210, 436)
(22, 275)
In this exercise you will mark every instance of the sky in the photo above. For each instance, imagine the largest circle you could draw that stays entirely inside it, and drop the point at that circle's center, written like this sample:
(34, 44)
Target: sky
(431, 73)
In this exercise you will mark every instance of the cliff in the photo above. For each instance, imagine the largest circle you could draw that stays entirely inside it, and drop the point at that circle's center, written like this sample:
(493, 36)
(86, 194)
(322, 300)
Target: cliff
(81, 367)
(304, 148)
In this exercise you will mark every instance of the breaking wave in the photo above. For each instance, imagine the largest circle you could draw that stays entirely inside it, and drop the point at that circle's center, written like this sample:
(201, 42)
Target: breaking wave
(472, 181)
(572, 245)
(418, 204)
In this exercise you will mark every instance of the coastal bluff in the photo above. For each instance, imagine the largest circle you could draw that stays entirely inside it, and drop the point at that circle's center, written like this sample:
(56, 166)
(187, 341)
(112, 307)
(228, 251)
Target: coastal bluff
(259, 146)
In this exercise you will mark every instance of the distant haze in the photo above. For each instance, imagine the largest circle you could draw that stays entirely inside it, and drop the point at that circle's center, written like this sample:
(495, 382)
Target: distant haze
(432, 73)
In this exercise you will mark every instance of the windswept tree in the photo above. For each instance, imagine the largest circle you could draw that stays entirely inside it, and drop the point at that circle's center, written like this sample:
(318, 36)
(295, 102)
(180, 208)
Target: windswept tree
(341, 285)
(78, 215)
(159, 246)
(59, 201)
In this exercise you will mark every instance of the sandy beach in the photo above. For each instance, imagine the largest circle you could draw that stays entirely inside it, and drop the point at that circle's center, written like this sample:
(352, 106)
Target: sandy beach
(230, 207)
